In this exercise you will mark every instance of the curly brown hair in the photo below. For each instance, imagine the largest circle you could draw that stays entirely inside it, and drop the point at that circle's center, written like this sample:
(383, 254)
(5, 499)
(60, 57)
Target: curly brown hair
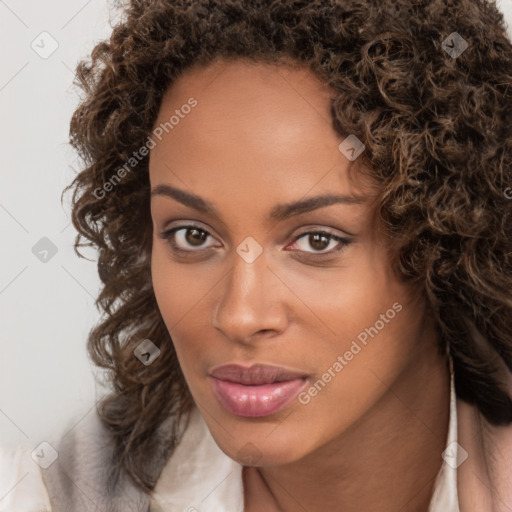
(438, 137)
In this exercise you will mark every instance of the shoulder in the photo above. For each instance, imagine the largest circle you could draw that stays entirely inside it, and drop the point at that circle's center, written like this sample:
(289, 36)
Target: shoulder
(21, 484)
(77, 480)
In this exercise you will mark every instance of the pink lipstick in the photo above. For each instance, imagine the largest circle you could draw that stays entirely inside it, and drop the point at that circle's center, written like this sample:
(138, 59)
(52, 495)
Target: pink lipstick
(255, 391)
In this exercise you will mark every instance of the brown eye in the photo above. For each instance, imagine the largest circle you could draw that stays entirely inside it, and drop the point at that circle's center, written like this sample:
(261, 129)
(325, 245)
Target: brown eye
(319, 241)
(195, 236)
(185, 238)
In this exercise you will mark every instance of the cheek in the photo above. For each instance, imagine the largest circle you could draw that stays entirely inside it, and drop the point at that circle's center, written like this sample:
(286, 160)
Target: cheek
(341, 301)
(364, 316)
(353, 376)
(178, 288)
(181, 291)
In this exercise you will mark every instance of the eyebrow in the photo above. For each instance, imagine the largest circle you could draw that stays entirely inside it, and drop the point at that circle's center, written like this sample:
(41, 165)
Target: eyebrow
(279, 212)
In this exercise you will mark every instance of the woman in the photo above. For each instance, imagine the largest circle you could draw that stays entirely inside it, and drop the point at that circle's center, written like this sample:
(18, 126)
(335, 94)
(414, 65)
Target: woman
(305, 246)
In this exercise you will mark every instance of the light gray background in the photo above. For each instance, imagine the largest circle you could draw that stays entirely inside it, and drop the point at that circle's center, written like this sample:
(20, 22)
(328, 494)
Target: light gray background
(47, 308)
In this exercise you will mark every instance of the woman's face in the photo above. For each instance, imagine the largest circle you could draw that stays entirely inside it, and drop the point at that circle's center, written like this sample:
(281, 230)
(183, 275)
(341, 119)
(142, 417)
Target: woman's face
(246, 278)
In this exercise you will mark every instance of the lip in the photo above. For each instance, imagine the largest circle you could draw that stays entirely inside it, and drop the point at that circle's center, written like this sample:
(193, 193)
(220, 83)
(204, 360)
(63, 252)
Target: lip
(255, 391)
(256, 374)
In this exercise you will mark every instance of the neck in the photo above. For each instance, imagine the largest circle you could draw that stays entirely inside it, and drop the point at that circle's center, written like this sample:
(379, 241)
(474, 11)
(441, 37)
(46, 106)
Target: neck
(388, 460)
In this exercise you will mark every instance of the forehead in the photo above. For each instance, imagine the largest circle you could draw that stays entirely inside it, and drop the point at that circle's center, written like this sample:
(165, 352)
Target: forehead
(276, 104)
(257, 130)
(247, 79)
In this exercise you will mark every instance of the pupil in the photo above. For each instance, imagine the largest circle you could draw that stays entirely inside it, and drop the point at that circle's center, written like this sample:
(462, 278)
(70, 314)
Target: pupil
(197, 237)
(316, 244)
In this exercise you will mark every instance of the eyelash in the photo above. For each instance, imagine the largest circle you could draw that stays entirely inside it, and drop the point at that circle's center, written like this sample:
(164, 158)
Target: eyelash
(343, 242)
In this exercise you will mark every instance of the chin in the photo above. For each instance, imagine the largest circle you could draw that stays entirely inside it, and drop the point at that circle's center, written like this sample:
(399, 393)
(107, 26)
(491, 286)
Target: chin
(259, 449)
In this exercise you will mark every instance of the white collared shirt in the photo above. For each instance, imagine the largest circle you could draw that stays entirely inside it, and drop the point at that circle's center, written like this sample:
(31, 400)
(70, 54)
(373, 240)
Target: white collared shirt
(200, 477)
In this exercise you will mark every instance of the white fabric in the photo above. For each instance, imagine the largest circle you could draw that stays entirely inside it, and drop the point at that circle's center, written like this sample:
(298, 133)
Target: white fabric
(201, 477)
(445, 497)
(21, 484)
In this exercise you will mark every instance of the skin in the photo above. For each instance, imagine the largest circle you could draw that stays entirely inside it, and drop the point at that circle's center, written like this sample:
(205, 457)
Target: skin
(372, 438)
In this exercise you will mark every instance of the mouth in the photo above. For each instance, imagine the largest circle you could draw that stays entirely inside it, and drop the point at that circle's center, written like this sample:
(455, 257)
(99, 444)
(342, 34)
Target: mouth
(259, 390)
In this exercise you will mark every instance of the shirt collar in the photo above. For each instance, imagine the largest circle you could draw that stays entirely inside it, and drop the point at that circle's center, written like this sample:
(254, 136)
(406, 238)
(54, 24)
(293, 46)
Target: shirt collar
(445, 497)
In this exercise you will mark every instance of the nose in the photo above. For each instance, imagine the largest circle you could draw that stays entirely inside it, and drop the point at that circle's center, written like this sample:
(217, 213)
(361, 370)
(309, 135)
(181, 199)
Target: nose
(251, 302)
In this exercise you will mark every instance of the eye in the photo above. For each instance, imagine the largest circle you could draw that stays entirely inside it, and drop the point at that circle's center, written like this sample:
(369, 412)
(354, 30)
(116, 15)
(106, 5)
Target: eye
(186, 238)
(320, 241)
(183, 238)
